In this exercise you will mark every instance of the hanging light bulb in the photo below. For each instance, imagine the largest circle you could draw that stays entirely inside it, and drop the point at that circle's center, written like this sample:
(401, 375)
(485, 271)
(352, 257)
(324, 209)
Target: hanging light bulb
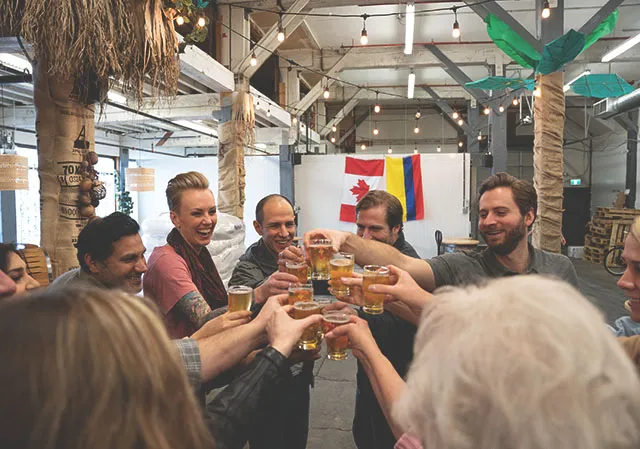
(501, 108)
(546, 10)
(180, 20)
(363, 147)
(326, 94)
(418, 114)
(269, 112)
(479, 135)
(515, 102)
(460, 122)
(364, 39)
(416, 130)
(254, 60)
(455, 115)
(376, 108)
(295, 120)
(537, 92)
(415, 151)
(486, 110)
(280, 35)
(439, 149)
(456, 26)
(201, 21)
(334, 128)
(333, 139)
(376, 131)
(389, 150)
(460, 144)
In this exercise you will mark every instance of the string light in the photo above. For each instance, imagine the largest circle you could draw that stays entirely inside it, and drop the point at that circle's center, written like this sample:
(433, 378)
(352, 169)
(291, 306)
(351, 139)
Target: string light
(537, 92)
(486, 110)
(418, 114)
(180, 20)
(325, 94)
(389, 150)
(201, 22)
(501, 108)
(416, 130)
(281, 36)
(456, 26)
(364, 39)
(334, 128)
(254, 60)
(363, 147)
(460, 144)
(376, 131)
(333, 139)
(376, 108)
(546, 10)
(515, 102)
(460, 122)
(269, 112)
(479, 135)
(295, 120)
(439, 149)
(415, 149)
(455, 115)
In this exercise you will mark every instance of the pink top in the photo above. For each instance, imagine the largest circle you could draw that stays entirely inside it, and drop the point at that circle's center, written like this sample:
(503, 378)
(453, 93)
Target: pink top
(166, 281)
(408, 441)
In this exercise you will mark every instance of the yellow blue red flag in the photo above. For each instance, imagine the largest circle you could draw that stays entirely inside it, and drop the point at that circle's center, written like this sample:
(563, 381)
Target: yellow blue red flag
(404, 181)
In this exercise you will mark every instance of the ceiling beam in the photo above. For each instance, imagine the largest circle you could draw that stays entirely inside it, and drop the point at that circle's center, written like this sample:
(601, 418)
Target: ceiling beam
(359, 121)
(484, 9)
(269, 42)
(342, 113)
(457, 74)
(446, 109)
(201, 67)
(276, 4)
(595, 20)
(317, 90)
(398, 93)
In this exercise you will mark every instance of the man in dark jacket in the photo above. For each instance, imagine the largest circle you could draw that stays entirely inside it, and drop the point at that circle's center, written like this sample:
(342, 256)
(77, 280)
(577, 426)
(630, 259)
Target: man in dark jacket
(284, 427)
(379, 217)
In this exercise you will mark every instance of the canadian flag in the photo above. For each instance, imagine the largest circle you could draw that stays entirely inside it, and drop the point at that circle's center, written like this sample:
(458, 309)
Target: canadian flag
(360, 176)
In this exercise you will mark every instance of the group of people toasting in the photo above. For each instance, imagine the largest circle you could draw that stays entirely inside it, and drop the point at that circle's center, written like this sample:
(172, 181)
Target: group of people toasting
(457, 351)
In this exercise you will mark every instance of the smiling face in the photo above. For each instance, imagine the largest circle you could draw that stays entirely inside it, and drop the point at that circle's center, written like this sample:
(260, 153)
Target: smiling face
(372, 225)
(196, 217)
(278, 227)
(500, 222)
(124, 268)
(630, 280)
(17, 272)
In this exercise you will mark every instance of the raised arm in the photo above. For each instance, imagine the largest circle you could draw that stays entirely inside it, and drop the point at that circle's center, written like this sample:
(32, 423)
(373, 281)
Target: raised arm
(371, 252)
(194, 309)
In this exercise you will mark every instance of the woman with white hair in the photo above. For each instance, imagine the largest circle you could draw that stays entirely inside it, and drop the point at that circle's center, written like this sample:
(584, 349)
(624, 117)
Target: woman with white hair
(519, 362)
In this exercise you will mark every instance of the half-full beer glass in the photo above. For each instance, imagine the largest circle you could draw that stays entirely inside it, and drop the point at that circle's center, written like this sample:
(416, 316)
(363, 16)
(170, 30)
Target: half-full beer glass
(341, 265)
(320, 252)
(239, 298)
(336, 347)
(310, 337)
(374, 274)
(300, 293)
(298, 269)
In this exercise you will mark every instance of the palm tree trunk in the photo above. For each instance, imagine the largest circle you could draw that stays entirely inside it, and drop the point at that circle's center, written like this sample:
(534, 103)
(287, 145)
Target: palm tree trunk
(60, 121)
(548, 166)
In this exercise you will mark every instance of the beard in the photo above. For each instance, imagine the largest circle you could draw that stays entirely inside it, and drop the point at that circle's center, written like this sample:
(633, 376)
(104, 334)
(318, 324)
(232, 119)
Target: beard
(511, 239)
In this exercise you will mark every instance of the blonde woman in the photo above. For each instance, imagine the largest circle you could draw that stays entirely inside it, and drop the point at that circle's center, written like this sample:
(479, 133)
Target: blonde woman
(520, 362)
(89, 368)
(181, 276)
(630, 282)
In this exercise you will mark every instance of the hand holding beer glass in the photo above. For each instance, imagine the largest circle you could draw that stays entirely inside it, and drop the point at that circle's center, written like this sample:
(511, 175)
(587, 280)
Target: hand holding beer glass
(300, 293)
(374, 274)
(299, 269)
(239, 298)
(320, 251)
(336, 347)
(310, 338)
(341, 265)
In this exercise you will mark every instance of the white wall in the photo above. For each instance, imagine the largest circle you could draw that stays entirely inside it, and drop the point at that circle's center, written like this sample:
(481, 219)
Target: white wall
(263, 178)
(319, 187)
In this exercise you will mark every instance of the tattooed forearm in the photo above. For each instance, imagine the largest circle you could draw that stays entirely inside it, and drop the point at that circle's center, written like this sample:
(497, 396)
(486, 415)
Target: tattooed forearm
(195, 309)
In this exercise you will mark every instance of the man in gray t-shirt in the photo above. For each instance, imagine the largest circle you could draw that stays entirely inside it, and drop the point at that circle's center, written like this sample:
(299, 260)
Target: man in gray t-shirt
(507, 209)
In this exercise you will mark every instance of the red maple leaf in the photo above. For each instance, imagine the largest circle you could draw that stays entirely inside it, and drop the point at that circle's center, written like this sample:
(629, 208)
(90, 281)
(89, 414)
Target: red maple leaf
(360, 189)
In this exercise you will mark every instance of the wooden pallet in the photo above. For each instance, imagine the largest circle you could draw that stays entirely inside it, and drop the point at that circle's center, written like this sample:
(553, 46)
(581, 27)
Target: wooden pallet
(593, 251)
(593, 259)
(597, 241)
(602, 211)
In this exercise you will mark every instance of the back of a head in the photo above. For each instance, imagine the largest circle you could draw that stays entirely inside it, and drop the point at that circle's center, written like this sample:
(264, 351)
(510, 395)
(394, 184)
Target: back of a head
(520, 362)
(524, 193)
(98, 236)
(182, 182)
(377, 198)
(92, 369)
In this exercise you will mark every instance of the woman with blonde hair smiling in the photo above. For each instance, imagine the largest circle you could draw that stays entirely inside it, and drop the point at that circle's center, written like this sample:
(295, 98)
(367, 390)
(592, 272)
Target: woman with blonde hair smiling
(521, 362)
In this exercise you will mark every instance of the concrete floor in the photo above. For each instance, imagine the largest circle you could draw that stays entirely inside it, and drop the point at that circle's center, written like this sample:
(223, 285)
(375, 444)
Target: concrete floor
(332, 399)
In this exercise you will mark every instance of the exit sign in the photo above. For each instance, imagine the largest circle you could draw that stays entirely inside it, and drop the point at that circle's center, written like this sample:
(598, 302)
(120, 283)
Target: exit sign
(576, 182)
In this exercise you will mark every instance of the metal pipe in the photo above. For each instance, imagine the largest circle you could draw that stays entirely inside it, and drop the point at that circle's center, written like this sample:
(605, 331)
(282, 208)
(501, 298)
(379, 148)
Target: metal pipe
(616, 106)
(14, 79)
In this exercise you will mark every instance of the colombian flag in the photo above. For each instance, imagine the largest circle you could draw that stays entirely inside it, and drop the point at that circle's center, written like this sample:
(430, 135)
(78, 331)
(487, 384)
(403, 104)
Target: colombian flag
(404, 181)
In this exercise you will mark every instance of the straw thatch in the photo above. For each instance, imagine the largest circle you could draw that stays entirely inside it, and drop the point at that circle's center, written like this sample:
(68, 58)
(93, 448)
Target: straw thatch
(102, 41)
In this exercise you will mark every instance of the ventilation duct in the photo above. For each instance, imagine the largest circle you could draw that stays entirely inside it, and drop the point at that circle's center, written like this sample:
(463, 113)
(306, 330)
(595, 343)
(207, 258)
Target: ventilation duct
(610, 107)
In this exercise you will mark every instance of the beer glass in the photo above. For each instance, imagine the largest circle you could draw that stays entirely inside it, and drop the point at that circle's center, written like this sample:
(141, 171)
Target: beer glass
(336, 347)
(239, 298)
(320, 252)
(341, 265)
(374, 274)
(309, 339)
(323, 301)
(300, 293)
(298, 269)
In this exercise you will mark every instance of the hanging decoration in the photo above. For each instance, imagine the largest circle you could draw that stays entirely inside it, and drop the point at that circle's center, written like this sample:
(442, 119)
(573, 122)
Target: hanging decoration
(601, 86)
(501, 82)
(558, 53)
(189, 12)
